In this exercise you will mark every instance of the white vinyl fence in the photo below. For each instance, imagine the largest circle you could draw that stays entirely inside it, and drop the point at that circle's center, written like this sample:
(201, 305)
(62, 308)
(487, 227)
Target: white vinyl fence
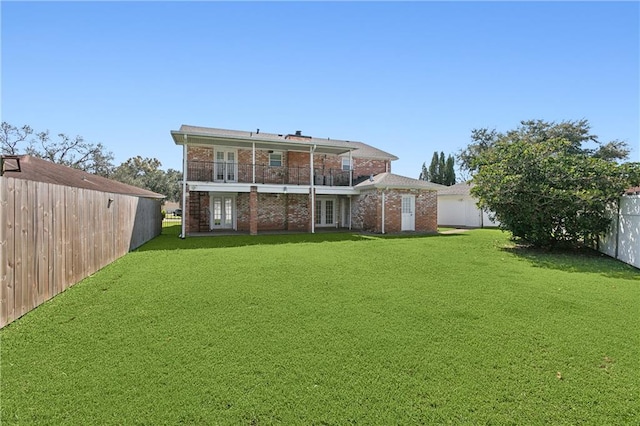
(623, 239)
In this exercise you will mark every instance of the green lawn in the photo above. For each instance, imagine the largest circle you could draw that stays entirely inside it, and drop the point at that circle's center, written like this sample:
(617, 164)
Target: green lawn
(332, 329)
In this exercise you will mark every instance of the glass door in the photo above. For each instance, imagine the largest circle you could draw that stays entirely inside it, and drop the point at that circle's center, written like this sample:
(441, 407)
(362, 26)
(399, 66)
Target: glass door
(225, 169)
(223, 211)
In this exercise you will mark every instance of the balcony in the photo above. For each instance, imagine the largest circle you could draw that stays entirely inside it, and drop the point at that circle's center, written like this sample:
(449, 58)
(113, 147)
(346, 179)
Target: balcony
(223, 172)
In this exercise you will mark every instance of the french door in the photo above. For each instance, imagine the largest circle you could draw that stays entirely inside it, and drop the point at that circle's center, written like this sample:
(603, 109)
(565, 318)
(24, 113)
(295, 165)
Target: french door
(222, 211)
(325, 212)
(226, 166)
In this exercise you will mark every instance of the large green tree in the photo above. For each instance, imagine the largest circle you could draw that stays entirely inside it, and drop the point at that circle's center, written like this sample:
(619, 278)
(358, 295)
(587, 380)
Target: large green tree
(544, 185)
(440, 170)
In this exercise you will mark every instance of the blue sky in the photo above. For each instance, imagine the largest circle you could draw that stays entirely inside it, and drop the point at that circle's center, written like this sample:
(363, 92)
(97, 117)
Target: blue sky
(410, 78)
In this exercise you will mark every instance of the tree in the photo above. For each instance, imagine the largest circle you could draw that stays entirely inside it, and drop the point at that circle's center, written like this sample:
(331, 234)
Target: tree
(440, 170)
(76, 152)
(424, 174)
(577, 133)
(146, 173)
(449, 177)
(545, 187)
(11, 137)
(433, 168)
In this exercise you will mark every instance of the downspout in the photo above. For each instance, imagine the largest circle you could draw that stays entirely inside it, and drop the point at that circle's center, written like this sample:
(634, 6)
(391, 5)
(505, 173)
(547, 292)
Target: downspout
(185, 211)
(350, 218)
(313, 191)
(383, 202)
(253, 160)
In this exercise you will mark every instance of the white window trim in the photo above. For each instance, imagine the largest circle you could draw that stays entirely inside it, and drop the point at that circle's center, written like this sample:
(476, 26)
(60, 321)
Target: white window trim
(234, 209)
(322, 212)
(234, 164)
(349, 163)
(280, 153)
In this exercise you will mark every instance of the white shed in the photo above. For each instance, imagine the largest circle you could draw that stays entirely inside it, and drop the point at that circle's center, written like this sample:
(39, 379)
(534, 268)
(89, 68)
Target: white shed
(456, 207)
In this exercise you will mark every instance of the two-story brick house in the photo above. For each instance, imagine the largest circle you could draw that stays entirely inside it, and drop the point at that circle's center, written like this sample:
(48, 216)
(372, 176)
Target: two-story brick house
(254, 181)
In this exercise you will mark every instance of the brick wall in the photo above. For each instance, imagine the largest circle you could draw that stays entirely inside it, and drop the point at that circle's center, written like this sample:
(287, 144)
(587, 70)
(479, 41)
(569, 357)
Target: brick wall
(364, 214)
(272, 212)
(368, 167)
(242, 212)
(427, 211)
(300, 164)
(276, 212)
(196, 214)
(298, 214)
(367, 210)
(199, 153)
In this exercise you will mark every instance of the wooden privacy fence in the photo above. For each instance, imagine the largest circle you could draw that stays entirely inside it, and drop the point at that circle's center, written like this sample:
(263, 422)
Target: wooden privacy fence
(52, 236)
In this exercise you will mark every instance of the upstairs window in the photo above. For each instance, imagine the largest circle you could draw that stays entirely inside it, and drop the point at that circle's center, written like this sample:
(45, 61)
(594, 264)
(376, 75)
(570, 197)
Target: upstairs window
(346, 163)
(275, 159)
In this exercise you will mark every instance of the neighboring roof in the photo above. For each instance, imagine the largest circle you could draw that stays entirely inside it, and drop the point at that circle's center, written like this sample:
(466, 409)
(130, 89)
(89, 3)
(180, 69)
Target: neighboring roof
(39, 170)
(287, 141)
(390, 180)
(462, 188)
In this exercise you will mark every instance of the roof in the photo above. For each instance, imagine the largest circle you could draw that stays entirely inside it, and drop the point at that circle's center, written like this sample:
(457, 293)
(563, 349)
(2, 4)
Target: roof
(390, 180)
(39, 170)
(285, 141)
(462, 188)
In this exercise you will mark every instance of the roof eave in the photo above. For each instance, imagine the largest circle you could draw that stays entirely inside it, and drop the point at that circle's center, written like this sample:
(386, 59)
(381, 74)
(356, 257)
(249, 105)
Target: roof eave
(393, 186)
(182, 138)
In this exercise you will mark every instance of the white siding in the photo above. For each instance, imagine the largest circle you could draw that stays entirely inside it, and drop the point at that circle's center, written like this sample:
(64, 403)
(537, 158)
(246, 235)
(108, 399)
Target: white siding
(461, 210)
(623, 239)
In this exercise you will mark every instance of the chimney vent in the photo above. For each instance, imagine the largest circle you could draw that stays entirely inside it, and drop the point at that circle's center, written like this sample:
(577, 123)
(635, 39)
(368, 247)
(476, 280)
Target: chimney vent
(298, 132)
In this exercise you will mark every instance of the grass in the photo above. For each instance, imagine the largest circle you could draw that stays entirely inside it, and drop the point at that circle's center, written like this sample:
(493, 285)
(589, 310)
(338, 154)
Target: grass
(332, 329)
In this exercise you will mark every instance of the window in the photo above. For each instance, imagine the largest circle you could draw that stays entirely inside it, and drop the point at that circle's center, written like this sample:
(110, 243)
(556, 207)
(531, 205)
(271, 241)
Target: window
(346, 163)
(275, 159)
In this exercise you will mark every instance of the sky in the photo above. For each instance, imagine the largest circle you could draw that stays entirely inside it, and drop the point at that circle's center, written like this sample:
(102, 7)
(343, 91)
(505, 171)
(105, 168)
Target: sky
(410, 78)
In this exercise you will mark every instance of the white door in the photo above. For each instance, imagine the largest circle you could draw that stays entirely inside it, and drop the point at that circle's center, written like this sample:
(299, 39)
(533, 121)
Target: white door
(325, 212)
(223, 211)
(225, 169)
(408, 213)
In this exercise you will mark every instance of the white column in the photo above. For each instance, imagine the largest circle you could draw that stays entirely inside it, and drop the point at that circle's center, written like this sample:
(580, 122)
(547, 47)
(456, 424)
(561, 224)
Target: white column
(185, 210)
(350, 169)
(313, 192)
(253, 161)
